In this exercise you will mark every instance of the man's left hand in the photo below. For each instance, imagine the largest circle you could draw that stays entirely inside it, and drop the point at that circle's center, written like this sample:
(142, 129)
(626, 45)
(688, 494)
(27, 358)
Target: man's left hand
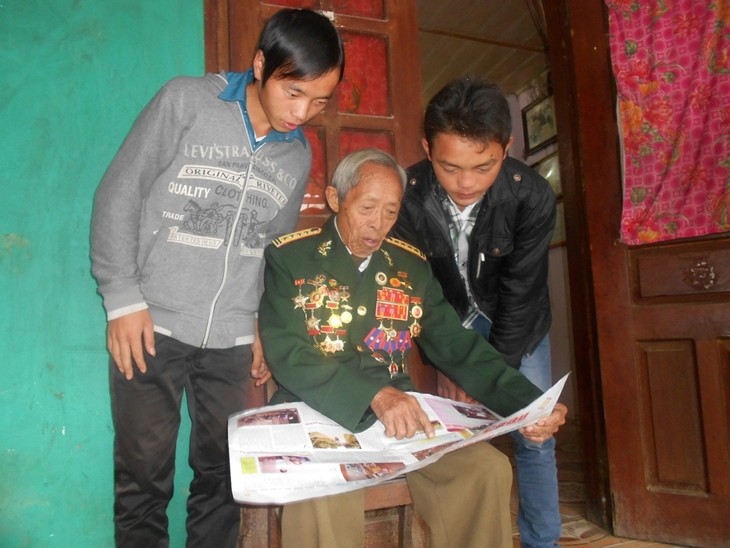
(544, 429)
(259, 369)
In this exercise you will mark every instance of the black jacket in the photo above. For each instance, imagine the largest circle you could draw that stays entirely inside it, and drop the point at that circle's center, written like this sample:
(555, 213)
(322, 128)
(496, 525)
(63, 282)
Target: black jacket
(508, 251)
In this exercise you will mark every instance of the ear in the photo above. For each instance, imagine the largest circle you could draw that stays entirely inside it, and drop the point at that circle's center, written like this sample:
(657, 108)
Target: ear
(509, 144)
(424, 144)
(332, 199)
(258, 65)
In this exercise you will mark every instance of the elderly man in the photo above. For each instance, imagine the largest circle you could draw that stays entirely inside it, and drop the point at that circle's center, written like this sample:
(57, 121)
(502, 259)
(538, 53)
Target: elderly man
(341, 310)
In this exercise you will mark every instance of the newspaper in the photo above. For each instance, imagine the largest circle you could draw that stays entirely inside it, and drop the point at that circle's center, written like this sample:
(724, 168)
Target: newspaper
(290, 452)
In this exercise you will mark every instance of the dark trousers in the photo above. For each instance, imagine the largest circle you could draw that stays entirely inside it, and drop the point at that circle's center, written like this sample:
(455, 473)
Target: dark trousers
(146, 415)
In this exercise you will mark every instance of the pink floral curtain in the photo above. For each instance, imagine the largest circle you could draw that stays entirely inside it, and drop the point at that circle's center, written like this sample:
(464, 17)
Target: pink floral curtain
(671, 62)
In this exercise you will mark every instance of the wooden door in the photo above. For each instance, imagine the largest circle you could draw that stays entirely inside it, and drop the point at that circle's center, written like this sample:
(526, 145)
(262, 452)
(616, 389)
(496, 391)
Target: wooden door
(654, 321)
(378, 102)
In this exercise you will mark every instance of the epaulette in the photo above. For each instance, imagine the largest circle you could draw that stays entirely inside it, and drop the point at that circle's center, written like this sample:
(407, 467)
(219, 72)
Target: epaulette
(405, 245)
(294, 236)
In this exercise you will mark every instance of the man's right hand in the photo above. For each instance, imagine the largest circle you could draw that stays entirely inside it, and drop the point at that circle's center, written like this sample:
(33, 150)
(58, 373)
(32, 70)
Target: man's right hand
(446, 388)
(124, 339)
(400, 413)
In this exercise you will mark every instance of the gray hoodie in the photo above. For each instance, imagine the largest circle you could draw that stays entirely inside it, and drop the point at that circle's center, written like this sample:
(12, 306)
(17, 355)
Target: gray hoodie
(183, 213)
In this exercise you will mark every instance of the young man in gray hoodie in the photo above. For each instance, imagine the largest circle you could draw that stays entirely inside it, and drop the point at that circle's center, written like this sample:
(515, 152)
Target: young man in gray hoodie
(213, 169)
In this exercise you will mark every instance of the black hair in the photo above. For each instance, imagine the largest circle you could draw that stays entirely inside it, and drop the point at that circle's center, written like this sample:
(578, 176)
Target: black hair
(300, 44)
(472, 108)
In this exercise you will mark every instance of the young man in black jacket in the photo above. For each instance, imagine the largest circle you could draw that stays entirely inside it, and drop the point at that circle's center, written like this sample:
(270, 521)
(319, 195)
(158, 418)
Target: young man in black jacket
(485, 220)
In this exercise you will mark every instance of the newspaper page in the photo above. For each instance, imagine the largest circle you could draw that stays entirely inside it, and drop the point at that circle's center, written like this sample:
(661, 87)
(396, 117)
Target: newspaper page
(290, 452)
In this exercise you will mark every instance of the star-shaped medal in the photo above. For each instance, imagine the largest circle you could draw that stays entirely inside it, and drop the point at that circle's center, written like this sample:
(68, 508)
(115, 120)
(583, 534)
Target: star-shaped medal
(299, 301)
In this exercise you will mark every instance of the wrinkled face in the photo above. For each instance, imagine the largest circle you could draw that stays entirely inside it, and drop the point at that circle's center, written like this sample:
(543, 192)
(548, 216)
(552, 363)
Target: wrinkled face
(289, 103)
(369, 209)
(464, 168)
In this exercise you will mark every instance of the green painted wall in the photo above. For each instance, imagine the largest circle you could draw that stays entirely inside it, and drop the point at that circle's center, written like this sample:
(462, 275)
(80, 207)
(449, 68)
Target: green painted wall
(75, 73)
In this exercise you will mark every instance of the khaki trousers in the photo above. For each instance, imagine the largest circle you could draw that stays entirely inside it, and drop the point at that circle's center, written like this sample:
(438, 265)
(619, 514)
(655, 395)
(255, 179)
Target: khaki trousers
(463, 498)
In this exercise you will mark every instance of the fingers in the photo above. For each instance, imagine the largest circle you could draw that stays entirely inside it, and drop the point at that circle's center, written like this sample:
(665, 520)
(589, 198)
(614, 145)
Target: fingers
(446, 388)
(121, 355)
(260, 372)
(127, 338)
(259, 369)
(426, 425)
(148, 335)
(545, 428)
(400, 413)
(410, 423)
(264, 379)
(535, 436)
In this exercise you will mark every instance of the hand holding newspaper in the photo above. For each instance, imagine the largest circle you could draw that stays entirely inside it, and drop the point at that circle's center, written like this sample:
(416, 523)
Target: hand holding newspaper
(290, 452)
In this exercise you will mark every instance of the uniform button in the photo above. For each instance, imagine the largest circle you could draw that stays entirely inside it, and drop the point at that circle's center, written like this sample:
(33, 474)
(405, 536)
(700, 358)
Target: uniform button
(361, 310)
(517, 177)
(360, 348)
(496, 251)
(412, 181)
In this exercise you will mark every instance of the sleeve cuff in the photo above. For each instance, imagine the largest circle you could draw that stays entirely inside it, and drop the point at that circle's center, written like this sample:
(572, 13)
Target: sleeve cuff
(119, 312)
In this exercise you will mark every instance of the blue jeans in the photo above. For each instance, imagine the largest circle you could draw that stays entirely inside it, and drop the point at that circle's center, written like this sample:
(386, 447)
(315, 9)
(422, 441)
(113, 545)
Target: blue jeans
(537, 475)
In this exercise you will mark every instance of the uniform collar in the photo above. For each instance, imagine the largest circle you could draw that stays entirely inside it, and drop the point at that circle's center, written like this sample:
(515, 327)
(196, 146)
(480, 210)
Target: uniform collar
(332, 251)
(363, 264)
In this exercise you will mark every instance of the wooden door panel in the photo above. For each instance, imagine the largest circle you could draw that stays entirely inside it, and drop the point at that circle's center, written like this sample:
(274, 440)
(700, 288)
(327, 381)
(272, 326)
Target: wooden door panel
(694, 272)
(674, 458)
(669, 464)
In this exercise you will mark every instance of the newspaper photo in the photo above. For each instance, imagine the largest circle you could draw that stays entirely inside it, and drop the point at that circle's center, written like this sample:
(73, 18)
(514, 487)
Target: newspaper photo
(290, 452)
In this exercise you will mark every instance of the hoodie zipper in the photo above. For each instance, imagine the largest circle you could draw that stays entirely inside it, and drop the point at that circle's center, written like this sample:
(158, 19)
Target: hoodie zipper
(252, 161)
(217, 295)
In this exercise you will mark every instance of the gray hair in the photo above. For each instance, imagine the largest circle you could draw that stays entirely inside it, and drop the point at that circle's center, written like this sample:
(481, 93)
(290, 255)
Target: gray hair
(347, 174)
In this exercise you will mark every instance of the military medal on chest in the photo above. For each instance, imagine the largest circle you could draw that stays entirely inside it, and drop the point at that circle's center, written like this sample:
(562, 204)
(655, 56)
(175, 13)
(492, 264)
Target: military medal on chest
(325, 310)
(394, 308)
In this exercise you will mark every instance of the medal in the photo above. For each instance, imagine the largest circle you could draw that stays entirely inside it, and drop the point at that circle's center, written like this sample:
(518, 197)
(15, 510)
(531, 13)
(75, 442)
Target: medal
(325, 295)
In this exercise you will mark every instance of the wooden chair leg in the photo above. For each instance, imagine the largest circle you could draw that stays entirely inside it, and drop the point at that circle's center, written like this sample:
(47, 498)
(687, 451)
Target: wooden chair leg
(260, 527)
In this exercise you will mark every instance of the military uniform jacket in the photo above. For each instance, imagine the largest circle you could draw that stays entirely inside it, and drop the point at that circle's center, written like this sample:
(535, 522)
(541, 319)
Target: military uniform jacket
(333, 336)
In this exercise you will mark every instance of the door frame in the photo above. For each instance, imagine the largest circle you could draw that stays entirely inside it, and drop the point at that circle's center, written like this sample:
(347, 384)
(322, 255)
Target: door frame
(589, 152)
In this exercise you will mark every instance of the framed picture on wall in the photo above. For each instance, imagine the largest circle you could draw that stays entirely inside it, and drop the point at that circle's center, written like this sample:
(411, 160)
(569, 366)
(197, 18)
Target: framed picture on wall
(559, 232)
(549, 167)
(538, 121)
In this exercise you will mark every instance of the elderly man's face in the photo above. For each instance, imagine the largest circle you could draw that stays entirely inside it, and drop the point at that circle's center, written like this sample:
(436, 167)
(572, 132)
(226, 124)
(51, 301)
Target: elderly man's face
(369, 209)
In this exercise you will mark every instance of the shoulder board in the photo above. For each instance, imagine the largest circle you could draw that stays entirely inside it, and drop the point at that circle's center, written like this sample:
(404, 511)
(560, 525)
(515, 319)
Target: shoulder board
(294, 236)
(405, 245)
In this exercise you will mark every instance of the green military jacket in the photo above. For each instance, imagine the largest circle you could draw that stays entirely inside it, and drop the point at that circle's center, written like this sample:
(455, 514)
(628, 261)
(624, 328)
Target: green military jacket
(333, 336)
